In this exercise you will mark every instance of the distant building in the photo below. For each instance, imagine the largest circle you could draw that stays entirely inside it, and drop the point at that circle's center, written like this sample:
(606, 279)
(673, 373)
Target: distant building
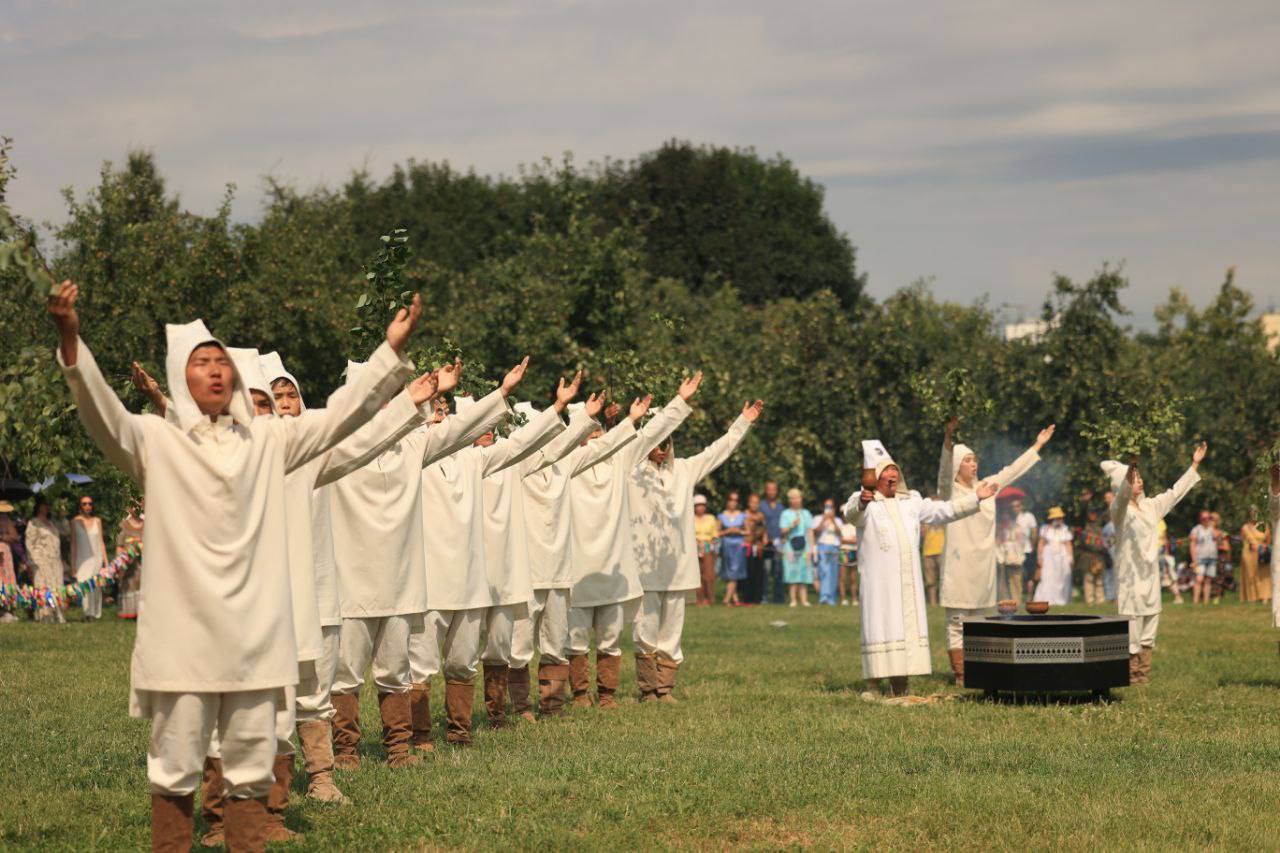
(1031, 331)
(1271, 328)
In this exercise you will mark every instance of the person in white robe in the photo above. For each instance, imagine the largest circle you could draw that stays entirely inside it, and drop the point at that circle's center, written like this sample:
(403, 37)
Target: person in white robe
(377, 518)
(548, 520)
(509, 555)
(1274, 514)
(88, 556)
(457, 575)
(214, 642)
(1136, 553)
(968, 565)
(662, 538)
(895, 631)
(1055, 558)
(606, 577)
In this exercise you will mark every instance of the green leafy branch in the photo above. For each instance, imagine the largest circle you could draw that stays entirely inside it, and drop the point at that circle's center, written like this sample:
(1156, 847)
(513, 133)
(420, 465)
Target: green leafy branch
(17, 241)
(384, 292)
(1132, 429)
(952, 393)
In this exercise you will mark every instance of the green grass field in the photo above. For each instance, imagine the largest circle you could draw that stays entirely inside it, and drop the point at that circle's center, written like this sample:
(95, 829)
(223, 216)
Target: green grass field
(770, 747)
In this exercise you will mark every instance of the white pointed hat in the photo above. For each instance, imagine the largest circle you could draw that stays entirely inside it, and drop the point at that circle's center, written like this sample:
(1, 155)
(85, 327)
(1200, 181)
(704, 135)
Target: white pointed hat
(875, 456)
(273, 368)
(246, 361)
(181, 340)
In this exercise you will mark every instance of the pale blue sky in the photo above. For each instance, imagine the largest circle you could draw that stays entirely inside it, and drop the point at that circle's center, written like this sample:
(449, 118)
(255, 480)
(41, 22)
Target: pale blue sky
(984, 144)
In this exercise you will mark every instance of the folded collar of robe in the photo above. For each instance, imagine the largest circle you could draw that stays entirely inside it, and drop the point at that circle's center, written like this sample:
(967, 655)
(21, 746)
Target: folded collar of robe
(274, 369)
(183, 339)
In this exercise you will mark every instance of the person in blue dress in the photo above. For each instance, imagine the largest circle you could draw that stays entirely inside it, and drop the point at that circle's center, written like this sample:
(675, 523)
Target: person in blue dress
(796, 527)
(826, 536)
(733, 556)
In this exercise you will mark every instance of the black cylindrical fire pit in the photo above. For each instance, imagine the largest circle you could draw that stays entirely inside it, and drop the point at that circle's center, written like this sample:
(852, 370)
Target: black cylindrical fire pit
(1045, 654)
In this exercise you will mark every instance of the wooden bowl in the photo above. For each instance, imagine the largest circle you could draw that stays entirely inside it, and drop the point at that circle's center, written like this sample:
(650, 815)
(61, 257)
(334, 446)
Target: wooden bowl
(1037, 608)
(1006, 606)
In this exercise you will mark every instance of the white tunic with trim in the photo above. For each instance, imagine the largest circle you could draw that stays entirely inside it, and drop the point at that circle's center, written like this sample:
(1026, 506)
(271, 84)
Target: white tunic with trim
(1136, 548)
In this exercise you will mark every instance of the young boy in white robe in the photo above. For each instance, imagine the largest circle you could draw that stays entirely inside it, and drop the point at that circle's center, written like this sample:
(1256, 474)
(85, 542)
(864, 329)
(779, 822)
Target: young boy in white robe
(662, 538)
(606, 579)
(506, 551)
(969, 558)
(895, 632)
(215, 643)
(1137, 553)
(456, 574)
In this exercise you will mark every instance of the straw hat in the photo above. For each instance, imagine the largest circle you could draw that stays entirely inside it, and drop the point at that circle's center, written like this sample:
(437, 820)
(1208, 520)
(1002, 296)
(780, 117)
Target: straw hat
(1056, 513)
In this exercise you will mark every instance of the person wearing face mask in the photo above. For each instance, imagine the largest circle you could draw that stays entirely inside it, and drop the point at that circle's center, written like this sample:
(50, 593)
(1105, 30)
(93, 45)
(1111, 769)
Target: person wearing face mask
(895, 632)
(1137, 553)
(968, 583)
(215, 642)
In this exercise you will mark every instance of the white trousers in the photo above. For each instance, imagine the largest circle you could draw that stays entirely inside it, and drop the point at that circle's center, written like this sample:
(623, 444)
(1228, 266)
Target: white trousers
(182, 726)
(607, 620)
(381, 641)
(500, 622)
(955, 623)
(286, 719)
(1142, 632)
(451, 643)
(660, 623)
(546, 630)
(92, 603)
(317, 703)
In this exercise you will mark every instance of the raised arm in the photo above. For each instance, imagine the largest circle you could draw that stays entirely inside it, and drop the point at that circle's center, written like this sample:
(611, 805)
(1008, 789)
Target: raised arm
(521, 443)
(569, 441)
(716, 453)
(1166, 501)
(396, 420)
(1024, 463)
(945, 512)
(604, 447)
(460, 430)
(118, 433)
(946, 462)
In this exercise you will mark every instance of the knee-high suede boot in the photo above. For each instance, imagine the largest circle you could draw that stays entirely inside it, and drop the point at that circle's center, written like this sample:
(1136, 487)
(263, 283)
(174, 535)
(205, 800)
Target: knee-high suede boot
(495, 694)
(551, 682)
(316, 737)
(518, 688)
(607, 670)
(346, 730)
(420, 712)
(171, 823)
(580, 680)
(213, 800)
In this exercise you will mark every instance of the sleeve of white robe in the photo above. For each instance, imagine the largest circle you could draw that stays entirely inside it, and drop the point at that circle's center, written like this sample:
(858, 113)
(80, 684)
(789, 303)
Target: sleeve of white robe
(118, 433)
(1015, 469)
(1166, 501)
(657, 429)
(570, 439)
(945, 512)
(460, 430)
(946, 476)
(1120, 503)
(604, 447)
(396, 420)
(718, 451)
(524, 441)
(381, 378)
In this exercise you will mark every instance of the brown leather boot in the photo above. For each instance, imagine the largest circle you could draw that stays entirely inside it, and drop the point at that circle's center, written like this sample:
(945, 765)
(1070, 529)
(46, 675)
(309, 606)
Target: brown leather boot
(551, 681)
(607, 668)
(459, 698)
(1135, 670)
(346, 730)
(518, 687)
(898, 685)
(247, 825)
(171, 823)
(420, 715)
(495, 694)
(957, 665)
(647, 676)
(580, 680)
(397, 729)
(278, 800)
(666, 669)
(213, 799)
(1144, 661)
(316, 737)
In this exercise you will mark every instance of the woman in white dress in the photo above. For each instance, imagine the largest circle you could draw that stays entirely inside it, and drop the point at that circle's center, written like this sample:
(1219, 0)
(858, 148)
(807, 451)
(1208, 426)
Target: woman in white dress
(88, 554)
(44, 548)
(1055, 560)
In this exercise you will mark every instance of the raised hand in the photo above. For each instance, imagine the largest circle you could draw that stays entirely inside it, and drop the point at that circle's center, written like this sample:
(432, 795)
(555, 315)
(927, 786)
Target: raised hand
(611, 413)
(62, 310)
(987, 489)
(689, 387)
(149, 387)
(1043, 438)
(949, 432)
(402, 326)
(447, 377)
(565, 393)
(640, 407)
(751, 411)
(1198, 456)
(514, 376)
(595, 402)
(424, 387)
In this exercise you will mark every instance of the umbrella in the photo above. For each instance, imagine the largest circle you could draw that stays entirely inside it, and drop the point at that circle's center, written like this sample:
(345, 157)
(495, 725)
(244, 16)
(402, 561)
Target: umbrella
(13, 490)
(1009, 493)
(73, 479)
